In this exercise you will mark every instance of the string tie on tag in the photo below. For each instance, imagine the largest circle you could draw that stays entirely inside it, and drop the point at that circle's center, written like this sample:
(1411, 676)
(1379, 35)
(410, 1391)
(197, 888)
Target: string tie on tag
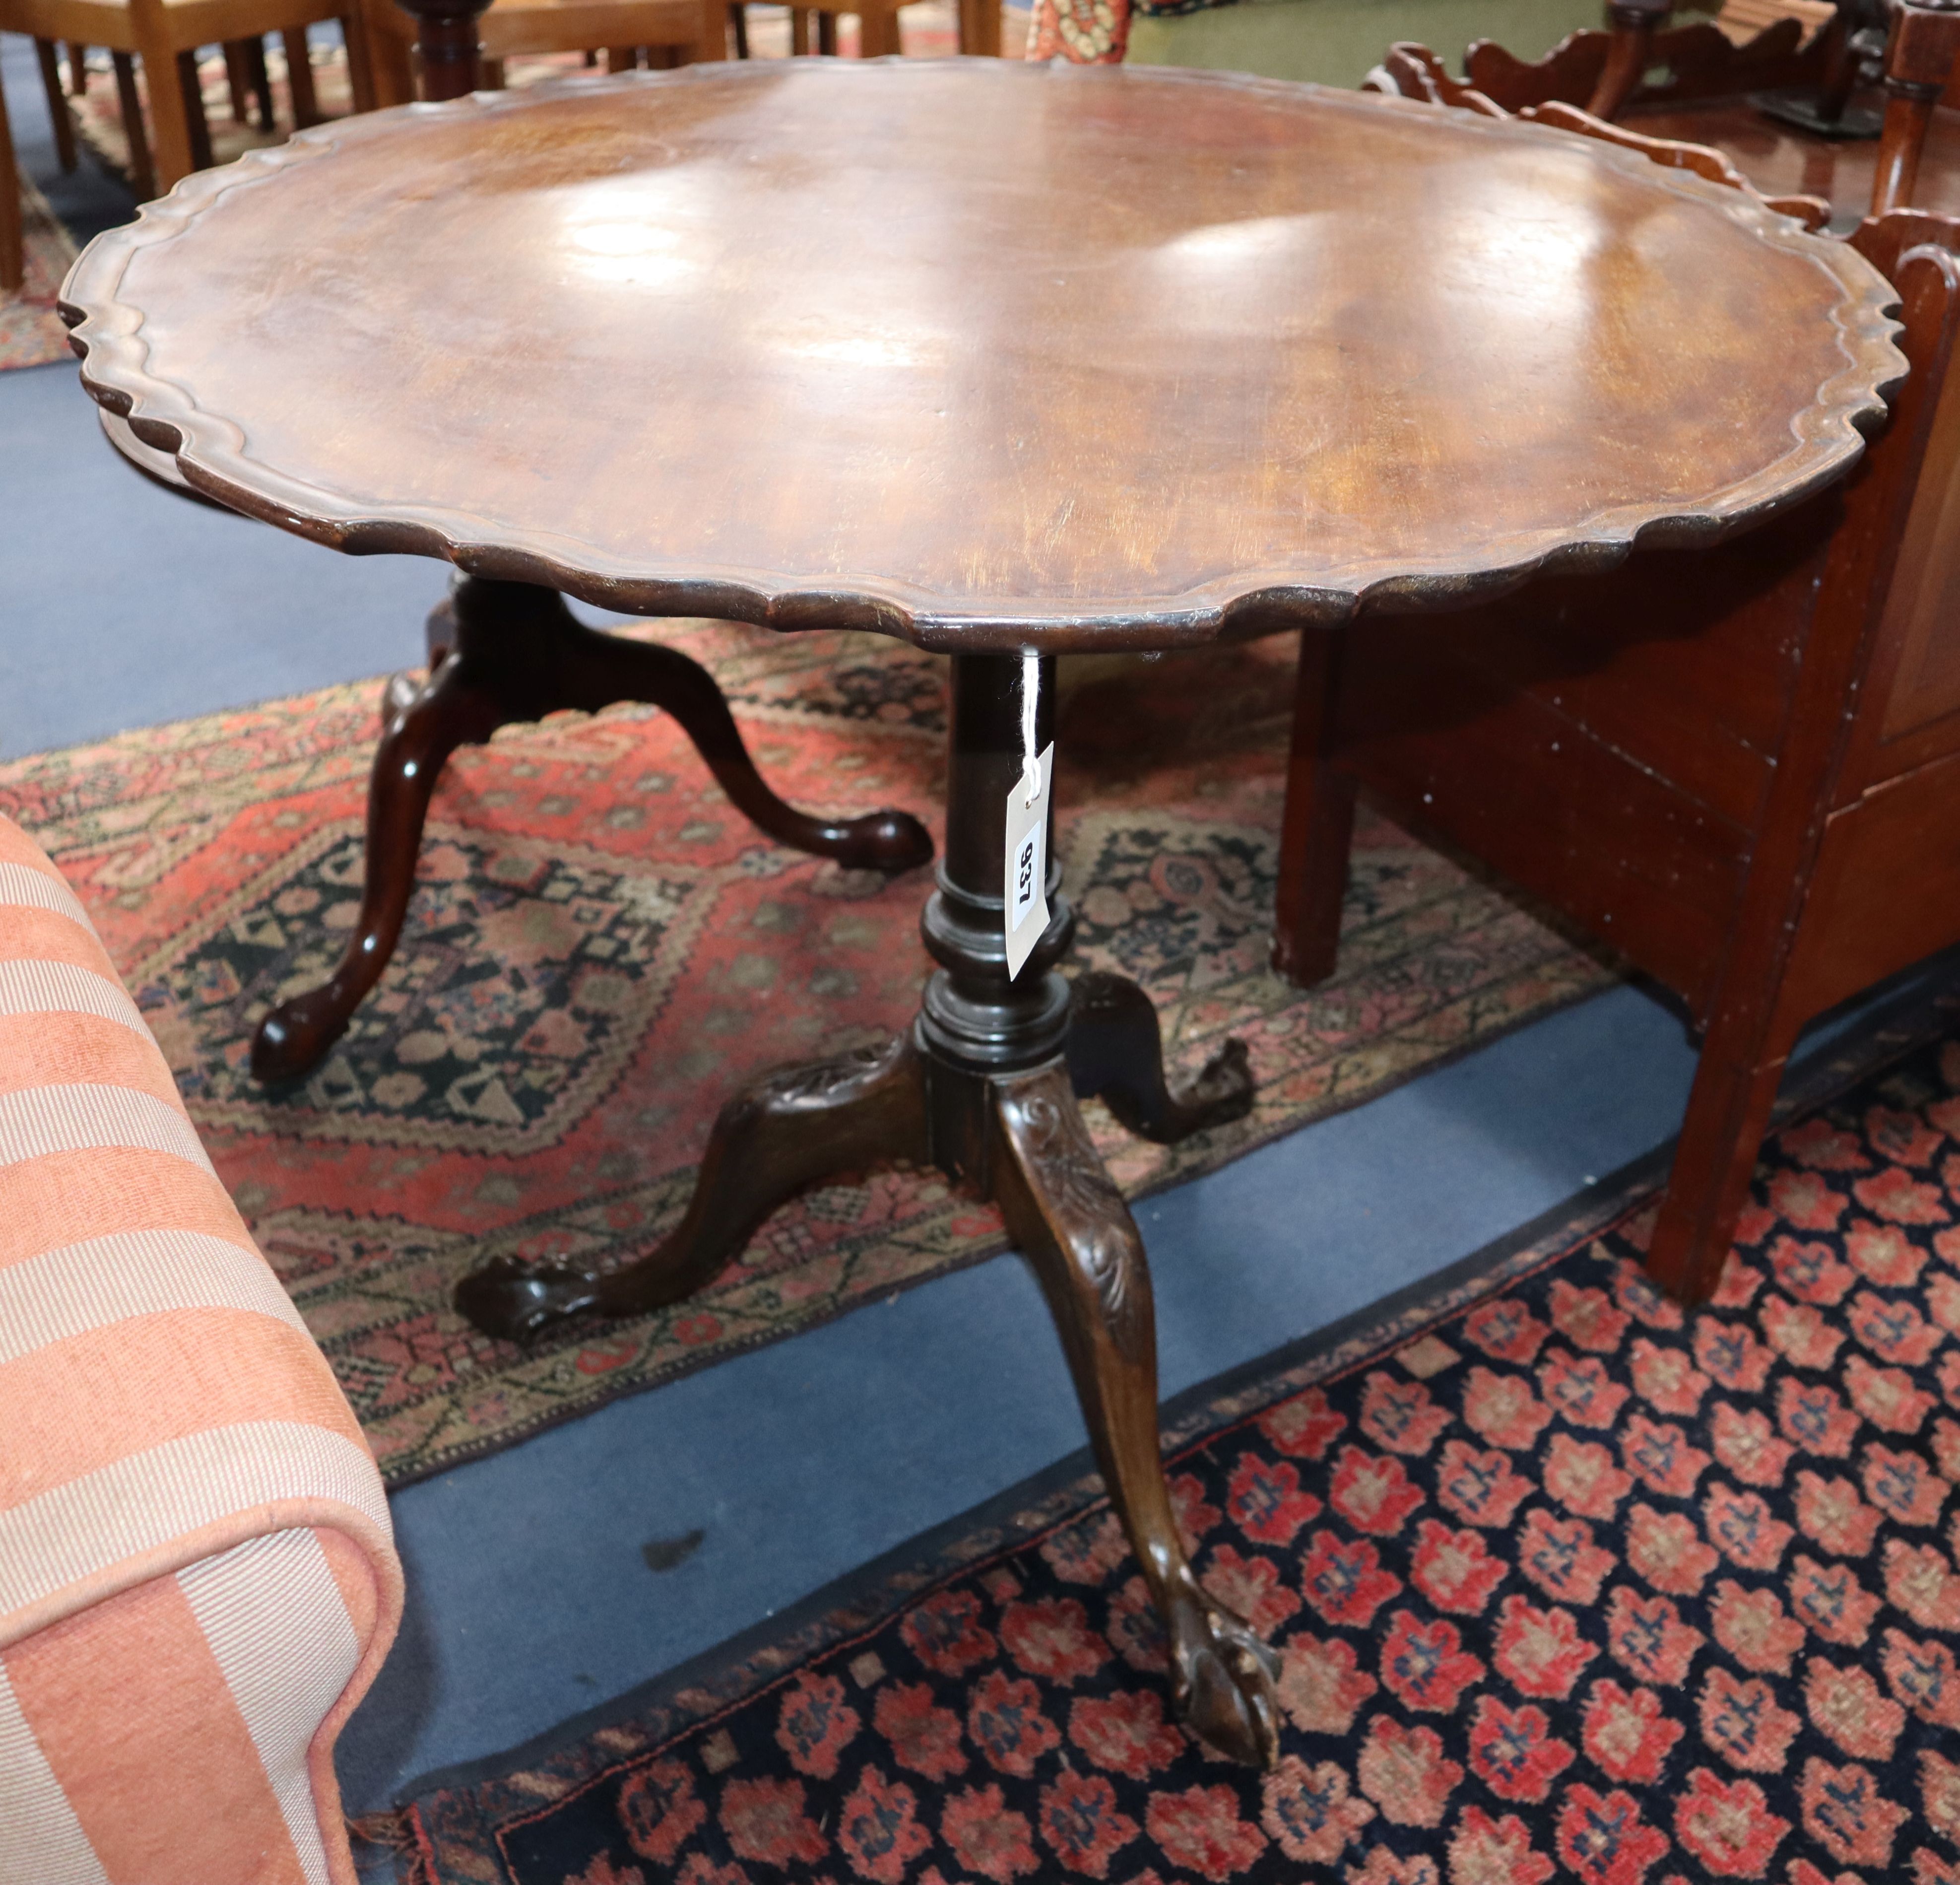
(1030, 692)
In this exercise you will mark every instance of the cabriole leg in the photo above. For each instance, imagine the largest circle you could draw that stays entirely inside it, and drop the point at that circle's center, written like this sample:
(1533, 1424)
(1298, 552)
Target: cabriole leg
(1071, 1223)
(506, 651)
(785, 1132)
(453, 708)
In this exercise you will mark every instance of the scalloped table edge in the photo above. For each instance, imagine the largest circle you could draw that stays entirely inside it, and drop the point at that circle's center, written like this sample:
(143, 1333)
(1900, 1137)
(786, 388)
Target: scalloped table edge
(206, 451)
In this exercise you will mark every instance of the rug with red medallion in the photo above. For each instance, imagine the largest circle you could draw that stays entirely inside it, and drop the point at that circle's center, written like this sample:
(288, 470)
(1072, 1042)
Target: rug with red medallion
(600, 950)
(1566, 1584)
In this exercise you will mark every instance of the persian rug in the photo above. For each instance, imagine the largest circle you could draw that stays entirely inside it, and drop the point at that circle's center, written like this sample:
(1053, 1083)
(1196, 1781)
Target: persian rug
(1567, 1585)
(599, 950)
(31, 334)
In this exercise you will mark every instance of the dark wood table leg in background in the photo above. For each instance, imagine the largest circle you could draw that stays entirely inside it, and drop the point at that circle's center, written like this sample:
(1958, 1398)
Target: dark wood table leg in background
(1633, 22)
(984, 1086)
(501, 652)
(1925, 36)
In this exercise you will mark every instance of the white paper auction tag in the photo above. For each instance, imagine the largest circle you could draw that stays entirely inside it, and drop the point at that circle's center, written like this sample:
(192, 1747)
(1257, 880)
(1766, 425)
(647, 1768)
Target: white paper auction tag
(1026, 915)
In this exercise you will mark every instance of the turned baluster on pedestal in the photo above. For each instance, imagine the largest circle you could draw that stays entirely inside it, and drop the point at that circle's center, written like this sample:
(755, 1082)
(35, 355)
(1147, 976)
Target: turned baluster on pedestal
(447, 46)
(1633, 24)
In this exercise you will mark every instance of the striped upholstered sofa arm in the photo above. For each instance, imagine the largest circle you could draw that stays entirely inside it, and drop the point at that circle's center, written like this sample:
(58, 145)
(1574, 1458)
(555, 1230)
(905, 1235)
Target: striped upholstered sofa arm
(197, 1577)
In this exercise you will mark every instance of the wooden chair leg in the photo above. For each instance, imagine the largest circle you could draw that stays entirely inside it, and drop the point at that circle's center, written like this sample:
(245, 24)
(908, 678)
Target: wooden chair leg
(493, 75)
(711, 37)
(367, 56)
(878, 34)
(980, 28)
(13, 225)
(179, 136)
(738, 23)
(197, 127)
(826, 34)
(58, 110)
(1729, 1107)
(622, 59)
(258, 82)
(299, 76)
(799, 30)
(237, 82)
(77, 68)
(142, 172)
(1317, 826)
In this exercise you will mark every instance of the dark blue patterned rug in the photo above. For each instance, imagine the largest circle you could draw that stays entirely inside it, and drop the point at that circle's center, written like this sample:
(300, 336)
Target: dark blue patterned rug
(1566, 1585)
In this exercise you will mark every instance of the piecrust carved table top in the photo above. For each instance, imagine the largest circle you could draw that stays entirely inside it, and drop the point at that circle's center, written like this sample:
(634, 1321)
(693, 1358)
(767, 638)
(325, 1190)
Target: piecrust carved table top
(985, 355)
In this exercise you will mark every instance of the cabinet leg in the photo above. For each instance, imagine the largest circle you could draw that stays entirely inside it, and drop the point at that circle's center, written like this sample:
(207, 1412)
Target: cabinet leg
(1317, 826)
(1069, 1219)
(1728, 1109)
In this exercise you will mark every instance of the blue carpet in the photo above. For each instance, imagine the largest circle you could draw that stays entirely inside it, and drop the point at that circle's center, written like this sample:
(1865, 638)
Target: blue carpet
(125, 605)
(120, 604)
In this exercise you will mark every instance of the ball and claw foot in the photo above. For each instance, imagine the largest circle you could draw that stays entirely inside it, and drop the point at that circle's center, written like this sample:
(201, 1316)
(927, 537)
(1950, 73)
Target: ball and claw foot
(887, 841)
(294, 1038)
(516, 1302)
(1224, 1682)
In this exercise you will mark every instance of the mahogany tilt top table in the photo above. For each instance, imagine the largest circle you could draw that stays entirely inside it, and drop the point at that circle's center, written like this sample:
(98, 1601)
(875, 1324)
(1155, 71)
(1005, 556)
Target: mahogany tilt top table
(1010, 361)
